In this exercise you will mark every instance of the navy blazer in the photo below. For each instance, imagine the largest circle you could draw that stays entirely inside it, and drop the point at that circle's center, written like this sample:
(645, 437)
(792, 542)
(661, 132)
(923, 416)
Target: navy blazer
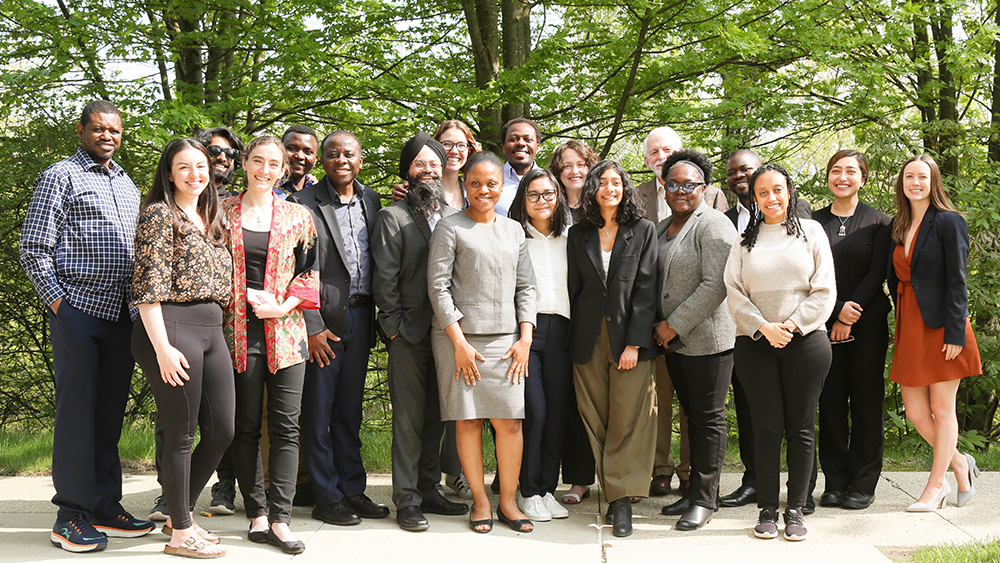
(627, 301)
(937, 273)
(334, 279)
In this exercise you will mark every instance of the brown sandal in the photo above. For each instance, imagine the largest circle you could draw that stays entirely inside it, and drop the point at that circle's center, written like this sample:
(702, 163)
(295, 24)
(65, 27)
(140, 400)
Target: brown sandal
(192, 548)
(198, 530)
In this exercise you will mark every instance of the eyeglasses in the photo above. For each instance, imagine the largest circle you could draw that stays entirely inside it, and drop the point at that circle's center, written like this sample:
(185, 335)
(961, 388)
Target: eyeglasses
(448, 145)
(215, 150)
(682, 188)
(532, 197)
(430, 165)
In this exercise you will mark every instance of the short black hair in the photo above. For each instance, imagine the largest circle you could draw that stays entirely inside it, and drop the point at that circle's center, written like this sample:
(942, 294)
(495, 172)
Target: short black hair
(205, 137)
(699, 159)
(98, 106)
(301, 130)
(340, 133)
(483, 156)
(515, 121)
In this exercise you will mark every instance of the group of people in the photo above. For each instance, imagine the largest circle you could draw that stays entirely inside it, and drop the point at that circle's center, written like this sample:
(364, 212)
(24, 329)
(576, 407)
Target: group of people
(547, 302)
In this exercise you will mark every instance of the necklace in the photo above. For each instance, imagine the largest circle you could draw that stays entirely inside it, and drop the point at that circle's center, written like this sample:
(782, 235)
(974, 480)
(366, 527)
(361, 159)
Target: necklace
(843, 225)
(606, 233)
(258, 215)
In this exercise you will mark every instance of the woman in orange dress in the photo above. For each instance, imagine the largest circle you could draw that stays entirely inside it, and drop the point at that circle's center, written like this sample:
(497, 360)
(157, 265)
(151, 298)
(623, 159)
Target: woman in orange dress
(935, 346)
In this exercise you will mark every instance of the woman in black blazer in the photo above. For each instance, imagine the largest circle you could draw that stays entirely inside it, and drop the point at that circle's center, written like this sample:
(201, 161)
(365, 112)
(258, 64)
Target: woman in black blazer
(851, 434)
(935, 346)
(612, 291)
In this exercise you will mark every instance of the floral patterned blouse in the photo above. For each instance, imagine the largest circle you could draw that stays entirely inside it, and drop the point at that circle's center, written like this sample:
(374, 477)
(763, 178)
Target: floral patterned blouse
(291, 270)
(177, 266)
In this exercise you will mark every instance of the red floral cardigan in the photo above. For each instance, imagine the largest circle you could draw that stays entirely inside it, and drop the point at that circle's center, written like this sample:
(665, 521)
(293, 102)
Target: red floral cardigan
(290, 271)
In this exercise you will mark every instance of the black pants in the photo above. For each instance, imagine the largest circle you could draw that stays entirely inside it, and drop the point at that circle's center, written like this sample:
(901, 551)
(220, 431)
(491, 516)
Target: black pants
(284, 405)
(549, 381)
(851, 452)
(207, 400)
(783, 386)
(93, 372)
(744, 427)
(701, 383)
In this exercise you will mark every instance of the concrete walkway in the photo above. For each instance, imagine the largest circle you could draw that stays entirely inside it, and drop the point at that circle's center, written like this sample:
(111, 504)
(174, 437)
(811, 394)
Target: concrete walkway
(835, 535)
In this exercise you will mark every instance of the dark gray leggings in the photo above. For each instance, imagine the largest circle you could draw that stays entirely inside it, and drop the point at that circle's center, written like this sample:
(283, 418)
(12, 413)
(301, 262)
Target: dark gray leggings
(207, 400)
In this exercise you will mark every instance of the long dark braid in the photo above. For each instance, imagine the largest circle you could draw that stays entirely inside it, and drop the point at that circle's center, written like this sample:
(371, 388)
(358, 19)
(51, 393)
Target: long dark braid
(792, 224)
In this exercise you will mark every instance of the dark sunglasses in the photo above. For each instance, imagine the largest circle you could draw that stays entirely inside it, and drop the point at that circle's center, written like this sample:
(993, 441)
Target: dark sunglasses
(215, 150)
(682, 188)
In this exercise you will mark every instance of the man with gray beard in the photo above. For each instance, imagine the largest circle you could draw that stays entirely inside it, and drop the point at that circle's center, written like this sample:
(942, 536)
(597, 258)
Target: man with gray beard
(399, 283)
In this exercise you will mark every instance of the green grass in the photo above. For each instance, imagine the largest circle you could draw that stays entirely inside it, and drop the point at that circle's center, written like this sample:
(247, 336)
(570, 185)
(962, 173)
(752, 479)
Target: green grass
(971, 552)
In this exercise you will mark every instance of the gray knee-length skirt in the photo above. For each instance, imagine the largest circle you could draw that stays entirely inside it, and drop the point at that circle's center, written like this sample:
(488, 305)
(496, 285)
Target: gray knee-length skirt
(493, 396)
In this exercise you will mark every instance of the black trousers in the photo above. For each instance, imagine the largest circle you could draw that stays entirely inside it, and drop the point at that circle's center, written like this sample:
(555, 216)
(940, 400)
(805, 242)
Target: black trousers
(207, 400)
(549, 381)
(284, 405)
(783, 386)
(701, 383)
(851, 431)
(93, 372)
(744, 428)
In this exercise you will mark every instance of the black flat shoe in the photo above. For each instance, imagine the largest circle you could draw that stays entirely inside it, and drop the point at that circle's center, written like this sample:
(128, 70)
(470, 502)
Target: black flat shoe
(516, 525)
(366, 507)
(857, 501)
(621, 514)
(291, 547)
(338, 514)
(742, 496)
(257, 536)
(411, 519)
(831, 499)
(810, 506)
(677, 508)
(694, 518)
(437, 504)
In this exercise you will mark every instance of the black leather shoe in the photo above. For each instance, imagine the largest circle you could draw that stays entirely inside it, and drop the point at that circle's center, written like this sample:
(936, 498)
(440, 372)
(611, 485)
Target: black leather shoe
(290, 547)
(366, 507)
(831, 499)
(810, 506)
(857, 501)
(742, 496)
(621, 515)
(437, 504)
(411, 519)
(659, 486)
(694, 518)
(338, 514)
(677, 508)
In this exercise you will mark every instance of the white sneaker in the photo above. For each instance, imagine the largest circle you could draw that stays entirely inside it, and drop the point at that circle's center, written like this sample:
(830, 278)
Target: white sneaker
(552, 505)
(459, 485)
(534, 508)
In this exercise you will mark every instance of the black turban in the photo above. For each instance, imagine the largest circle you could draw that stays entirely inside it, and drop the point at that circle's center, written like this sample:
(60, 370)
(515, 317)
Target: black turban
(412, 148)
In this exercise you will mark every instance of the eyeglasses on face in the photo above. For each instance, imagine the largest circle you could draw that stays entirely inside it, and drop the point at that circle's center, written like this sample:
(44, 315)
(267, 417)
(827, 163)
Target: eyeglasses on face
(429, 165)
(215, 150)
(448, 145)
(532, 197)
(686, 188)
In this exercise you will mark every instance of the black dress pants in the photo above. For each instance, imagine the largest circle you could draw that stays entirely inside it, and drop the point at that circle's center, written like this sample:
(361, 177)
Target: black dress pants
(744, 428)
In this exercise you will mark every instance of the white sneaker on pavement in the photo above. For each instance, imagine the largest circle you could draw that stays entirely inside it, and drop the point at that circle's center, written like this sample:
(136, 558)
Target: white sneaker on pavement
(534, 508)
(555, 509)
(459, 485)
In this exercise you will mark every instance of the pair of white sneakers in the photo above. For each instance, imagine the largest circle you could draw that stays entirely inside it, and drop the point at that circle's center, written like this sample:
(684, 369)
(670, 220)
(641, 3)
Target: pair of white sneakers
(541, 508)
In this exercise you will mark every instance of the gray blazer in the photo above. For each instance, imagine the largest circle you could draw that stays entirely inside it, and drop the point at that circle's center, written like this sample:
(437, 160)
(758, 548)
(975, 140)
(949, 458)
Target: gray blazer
(693, 292)
(480, 275)
(400, 247)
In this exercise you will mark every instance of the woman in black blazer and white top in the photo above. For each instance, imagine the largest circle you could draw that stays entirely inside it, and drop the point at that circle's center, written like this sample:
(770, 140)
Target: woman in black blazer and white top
(851, 435)
(612, 290)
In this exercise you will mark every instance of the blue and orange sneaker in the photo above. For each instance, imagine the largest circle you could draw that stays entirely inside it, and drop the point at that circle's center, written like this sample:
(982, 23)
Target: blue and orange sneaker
(124, 525)
(77, 535)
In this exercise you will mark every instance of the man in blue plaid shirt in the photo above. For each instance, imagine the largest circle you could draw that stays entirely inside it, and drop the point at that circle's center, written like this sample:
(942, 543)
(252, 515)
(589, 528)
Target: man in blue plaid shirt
(77, 248)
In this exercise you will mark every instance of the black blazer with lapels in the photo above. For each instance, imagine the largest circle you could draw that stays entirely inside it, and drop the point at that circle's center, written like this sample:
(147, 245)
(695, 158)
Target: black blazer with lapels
(627, 302)
(334, 279)
(937, 273)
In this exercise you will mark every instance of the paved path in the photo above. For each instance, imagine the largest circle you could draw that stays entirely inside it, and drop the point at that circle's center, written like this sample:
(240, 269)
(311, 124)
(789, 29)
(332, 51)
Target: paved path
(835, 535)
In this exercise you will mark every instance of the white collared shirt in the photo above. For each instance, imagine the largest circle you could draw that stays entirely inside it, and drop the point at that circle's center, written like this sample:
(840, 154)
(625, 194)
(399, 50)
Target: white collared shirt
(742, 217)
(662, 209)
(548, 260)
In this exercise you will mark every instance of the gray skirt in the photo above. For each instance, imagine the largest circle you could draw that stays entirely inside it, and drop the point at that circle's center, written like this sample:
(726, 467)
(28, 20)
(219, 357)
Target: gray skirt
(493, 396)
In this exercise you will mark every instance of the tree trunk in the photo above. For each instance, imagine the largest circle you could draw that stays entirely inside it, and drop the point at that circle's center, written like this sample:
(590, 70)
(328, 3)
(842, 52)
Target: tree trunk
(516, 48)
(924, 95)
(481, 19)
(947, 128)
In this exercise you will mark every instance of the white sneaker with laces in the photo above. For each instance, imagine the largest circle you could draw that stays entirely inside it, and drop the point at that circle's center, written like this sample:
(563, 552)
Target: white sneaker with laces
(534, 508)
(555, 509)
(459, 485)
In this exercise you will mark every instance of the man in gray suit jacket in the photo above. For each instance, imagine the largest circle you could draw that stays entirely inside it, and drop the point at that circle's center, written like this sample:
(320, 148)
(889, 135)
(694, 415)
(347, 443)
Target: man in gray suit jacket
(399, 248)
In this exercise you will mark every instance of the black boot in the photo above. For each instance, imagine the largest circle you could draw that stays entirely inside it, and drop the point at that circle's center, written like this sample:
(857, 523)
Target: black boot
(621, 513)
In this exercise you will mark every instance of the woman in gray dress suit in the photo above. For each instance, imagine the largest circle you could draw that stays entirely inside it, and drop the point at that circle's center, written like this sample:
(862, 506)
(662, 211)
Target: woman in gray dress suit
(693, 246)
(482, 290)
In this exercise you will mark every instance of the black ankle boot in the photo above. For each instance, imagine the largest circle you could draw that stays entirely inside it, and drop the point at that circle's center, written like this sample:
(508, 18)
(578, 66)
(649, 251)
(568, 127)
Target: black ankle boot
(621, 512)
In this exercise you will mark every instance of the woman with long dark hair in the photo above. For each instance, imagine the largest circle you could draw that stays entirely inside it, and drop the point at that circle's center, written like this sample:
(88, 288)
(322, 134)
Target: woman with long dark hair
(612, 290)
(780, 288)
(935, 345)
(182, 282)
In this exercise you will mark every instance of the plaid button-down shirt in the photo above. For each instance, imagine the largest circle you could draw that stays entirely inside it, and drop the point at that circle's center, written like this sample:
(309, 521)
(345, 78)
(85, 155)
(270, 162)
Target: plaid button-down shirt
(78, 236)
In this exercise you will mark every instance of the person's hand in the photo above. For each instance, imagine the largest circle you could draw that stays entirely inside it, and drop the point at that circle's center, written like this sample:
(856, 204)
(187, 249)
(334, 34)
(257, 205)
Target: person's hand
(267, 307)
(951, 351)
(465, 362)
(399, 191)
(172, 365)
(629, 358)
(519, 366)
(663, 333)
(850, 313)
(55, 305)
(777, 334)
(839, 331)
(320, 351)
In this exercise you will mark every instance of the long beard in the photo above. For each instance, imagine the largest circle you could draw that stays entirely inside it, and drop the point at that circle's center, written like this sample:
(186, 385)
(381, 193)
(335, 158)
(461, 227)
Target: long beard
(224, 179)
(424, 195)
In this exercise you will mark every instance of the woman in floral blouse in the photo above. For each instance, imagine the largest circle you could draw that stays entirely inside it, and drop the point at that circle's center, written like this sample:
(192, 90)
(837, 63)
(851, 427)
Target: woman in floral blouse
(274, 279)
(181, 283)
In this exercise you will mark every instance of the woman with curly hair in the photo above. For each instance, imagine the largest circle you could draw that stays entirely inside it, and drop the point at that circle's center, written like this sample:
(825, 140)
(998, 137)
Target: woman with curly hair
(611, 259)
